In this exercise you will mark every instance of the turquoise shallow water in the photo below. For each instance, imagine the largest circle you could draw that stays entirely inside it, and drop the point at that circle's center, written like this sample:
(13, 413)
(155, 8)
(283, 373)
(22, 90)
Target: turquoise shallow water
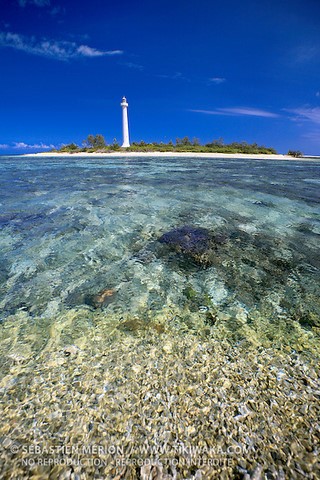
(77, 226)
(113, 341)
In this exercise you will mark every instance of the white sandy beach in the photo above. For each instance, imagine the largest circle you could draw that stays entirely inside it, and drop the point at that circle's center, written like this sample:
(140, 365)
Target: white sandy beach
(166, 154)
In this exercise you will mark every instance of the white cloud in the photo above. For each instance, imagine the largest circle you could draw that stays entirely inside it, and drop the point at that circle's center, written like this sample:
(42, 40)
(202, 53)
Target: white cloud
(38, 3)
(89, 52)
(19, 145)
(254, 112)
(23, 146)
(58, 50)
(135, 66)
(317, 94)
(239, 111)
(305, 113)
(3, 146)
(217, 80)
(175, 76)
(113, 52)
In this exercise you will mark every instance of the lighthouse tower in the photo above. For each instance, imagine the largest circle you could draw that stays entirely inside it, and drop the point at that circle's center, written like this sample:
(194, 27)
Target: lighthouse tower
(125, 126)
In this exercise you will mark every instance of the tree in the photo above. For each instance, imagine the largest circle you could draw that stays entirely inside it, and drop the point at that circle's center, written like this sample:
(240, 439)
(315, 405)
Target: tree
(115, 145)
(96, 141)
(70, 147)
(183, 141)
(295, 153)
(216, 143)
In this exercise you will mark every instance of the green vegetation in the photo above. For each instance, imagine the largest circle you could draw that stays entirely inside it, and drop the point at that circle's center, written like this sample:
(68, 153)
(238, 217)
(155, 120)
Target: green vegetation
(295, 153)
(93, 143)
(186, 145)
(71, 147)
(97, 143)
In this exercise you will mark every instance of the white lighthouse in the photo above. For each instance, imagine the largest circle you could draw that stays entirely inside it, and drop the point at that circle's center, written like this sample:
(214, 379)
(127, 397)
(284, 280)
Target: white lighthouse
(125, 126)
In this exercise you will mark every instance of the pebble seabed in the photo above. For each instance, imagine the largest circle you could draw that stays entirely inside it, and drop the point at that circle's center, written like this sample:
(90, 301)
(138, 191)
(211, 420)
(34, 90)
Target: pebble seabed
(158, 399)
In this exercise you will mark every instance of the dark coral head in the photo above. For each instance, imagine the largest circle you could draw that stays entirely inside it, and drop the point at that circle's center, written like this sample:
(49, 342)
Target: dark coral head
(187, 239)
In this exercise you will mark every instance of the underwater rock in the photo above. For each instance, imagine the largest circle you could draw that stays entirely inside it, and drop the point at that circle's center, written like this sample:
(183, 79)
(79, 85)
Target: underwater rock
(134, 325)
(101, 299)
(71, 351)
(187, 239)
(196, 243)
(131, 325)
(95, 300)
(262, 203)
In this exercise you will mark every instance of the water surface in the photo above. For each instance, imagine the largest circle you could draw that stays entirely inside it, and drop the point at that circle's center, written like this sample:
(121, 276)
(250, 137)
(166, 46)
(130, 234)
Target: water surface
(82, 270)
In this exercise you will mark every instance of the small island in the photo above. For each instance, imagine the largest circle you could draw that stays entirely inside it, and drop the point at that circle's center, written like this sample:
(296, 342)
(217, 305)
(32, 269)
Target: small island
(97, 144)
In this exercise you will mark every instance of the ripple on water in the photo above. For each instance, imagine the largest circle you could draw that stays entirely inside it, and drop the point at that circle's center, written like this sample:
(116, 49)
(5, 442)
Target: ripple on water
(109, 336)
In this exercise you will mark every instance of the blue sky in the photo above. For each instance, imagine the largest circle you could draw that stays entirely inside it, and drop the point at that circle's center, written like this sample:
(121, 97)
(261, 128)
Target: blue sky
(238, 70)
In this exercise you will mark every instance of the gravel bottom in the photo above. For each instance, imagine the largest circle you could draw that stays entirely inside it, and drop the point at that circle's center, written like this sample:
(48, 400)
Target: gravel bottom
(130, 401)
